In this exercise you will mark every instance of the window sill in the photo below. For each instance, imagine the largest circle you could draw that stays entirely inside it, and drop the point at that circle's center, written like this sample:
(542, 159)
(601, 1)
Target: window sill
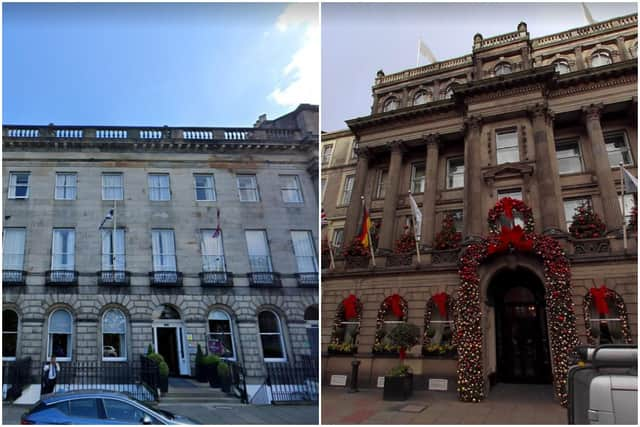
(114, 359)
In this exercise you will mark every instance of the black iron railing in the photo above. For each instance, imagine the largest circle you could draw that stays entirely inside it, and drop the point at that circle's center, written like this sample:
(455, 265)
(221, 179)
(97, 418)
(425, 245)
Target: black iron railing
(293, 382)
(114, 278)
(139, 378)
(264, 279)
(16, 374)
(216, 279)
(307, 280)
(165, 278)
(238, 381)
(61, 278)
(13, 277)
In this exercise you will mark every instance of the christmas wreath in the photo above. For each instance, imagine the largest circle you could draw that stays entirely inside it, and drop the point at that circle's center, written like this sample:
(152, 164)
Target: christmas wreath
(602, 298)
(445, 306)
(505, 211)
(398, 306)
(349, 310)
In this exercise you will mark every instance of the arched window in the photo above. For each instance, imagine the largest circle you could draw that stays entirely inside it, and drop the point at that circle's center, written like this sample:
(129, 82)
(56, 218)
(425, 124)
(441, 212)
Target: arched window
(393, 310)
(606, 317)
(271, 337)
(391, 104)
(9, 334)
(600, 58)
(422, 97)
(448, 93)
(114, 335)
(221, 342)
(346, 326)
(502, 68)
(562, 66)
(60, 342)
(439, 326)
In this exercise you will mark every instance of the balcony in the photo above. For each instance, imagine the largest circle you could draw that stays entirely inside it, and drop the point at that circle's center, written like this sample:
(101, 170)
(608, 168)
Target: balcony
(13, 277)
(265, 279)
(307, 280)
(114, 278)
(61, 278)
(165, 278)
(216, 279)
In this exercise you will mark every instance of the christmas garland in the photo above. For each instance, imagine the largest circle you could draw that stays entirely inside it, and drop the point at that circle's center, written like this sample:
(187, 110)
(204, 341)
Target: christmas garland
(586, 224)
(506, 208)
(401, 310)
(589, 301)
(561, 318)
(337, 344)
(450, 309)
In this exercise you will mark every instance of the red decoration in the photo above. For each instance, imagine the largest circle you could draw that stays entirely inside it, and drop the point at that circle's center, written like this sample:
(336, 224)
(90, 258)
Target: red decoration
(514, 237)
(350, 307)
(395, 302)
(403, 353)
(600, 298)
(440, 301)
(508, 207)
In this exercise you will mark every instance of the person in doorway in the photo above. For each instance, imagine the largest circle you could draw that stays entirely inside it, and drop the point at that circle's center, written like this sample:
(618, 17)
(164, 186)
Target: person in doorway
(50, 373)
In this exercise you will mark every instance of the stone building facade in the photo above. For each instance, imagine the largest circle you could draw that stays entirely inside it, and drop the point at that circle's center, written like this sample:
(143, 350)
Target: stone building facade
(545, 121)
(215, 242)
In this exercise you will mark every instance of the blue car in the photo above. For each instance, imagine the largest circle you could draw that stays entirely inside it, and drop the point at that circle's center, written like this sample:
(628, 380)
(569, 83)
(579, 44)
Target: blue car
(98, 407)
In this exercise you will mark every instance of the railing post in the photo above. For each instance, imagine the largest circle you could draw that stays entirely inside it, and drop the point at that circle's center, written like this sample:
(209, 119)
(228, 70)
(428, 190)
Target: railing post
(353, 383)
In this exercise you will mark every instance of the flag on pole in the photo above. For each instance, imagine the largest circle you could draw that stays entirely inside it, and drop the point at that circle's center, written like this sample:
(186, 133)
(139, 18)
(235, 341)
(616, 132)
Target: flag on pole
(587, 14)
(417, 216)
(217, 231)
(366, 226)
(630, 181)
(424, 50)
(323, 218)
(108, 217)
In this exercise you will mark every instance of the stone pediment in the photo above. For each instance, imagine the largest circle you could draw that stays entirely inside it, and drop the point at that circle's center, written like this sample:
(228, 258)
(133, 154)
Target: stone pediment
(507, 170)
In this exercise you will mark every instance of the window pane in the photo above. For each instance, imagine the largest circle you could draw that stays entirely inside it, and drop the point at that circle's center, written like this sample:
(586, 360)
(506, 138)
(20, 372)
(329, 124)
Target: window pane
(113, 345)
(9, 344)
(271, 346)
(114, 322)
(63, 249)
(268, 322)
(304, 251)
(13, 248)
(60, 322)
(60, 345)
(221, 344)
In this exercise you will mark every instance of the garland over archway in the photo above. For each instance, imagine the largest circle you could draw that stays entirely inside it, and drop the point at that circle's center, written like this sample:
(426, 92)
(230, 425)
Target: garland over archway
(557, 283)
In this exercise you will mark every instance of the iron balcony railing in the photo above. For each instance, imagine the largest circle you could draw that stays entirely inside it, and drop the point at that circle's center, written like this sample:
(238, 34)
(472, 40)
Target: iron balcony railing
(13, 277)
(216, 279)
(293, 382)
(61, 278)
(165, 278)
(264, 279)
(114, 278)
(307, 280)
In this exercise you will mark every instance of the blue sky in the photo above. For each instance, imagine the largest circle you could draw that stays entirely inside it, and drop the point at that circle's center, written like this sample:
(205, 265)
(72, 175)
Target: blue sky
(360, 39)
(157, 64)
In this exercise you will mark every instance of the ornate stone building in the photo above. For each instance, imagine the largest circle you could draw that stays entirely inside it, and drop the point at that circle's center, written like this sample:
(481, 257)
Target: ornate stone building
(544, 121)
(212, 241)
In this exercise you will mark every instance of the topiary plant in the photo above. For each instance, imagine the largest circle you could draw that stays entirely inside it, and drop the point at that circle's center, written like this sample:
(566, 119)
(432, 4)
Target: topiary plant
(404, 336)
(162, 365)
(199, 355)
(210, 359)
(223, 370)
(149, 350)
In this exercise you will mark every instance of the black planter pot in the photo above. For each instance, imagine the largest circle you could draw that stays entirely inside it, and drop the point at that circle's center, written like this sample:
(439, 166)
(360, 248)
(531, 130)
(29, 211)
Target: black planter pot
(164, 384)
(398, 388)
(201, 373)
(212, 375)
(225, 384)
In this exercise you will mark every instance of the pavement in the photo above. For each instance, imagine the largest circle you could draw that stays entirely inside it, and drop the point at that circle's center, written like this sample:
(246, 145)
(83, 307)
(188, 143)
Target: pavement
(213, 413)
(506, 404)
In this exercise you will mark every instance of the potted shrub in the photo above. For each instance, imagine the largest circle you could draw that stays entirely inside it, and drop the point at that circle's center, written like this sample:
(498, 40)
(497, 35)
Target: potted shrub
(225, 378)
(201, 374)
(356, 255)
(210, 363)
(163, 368)
(398, 383)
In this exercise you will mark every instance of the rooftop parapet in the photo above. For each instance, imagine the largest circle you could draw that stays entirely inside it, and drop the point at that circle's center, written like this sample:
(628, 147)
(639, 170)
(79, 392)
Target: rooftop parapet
(576, 33)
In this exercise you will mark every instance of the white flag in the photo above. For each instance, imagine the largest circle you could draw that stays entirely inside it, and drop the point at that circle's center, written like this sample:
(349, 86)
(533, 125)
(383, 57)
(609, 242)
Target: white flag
(417, 216)
(587, 14)
(630, 182)
(424, 50)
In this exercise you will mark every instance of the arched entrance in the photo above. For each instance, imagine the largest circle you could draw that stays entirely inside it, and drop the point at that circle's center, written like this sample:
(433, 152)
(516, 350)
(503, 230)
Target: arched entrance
(521, 339)
(169, 339)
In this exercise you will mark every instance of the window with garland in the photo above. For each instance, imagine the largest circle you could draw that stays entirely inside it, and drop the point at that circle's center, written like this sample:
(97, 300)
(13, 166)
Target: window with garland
(606, 317)
(439, 326)
(393, 311)
(346, 326)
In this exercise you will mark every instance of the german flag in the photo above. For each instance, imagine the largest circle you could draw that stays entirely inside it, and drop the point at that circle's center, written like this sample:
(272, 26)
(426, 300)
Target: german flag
(366, 226)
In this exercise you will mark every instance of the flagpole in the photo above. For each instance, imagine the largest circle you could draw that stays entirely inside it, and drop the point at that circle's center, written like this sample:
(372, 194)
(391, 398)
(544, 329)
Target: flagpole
(624, 226)
(373, 257)
(332, 263)
(418, 54)
(415, 235)
(113, 238)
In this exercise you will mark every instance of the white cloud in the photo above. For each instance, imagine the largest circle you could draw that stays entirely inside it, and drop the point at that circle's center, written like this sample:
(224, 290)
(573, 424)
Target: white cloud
(303, 71)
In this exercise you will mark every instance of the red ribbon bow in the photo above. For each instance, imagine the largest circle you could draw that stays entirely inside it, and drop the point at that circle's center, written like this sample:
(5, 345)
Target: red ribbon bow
(599, 297)
(514, 236)
(507, 205)
(395, 302)
(440, 300)
(350, 307)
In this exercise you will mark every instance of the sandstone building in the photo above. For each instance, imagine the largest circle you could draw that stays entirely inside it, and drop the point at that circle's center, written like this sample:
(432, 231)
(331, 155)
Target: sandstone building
(545, 121)
(213, 242)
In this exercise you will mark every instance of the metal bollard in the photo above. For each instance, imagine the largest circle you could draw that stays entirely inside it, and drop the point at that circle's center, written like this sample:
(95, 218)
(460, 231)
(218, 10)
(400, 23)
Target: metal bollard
(353, 383)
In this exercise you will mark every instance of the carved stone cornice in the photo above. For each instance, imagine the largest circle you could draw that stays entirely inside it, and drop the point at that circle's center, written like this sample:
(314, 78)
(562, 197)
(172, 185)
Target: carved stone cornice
(396, 146)
(363, 152)
(540, 110)
(472, 123)
(592, 111)
(432, 140)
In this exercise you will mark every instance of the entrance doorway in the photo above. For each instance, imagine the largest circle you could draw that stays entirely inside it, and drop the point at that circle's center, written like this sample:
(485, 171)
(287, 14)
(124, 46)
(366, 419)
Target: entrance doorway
(170, 340)
(522, 344)
(167, 347)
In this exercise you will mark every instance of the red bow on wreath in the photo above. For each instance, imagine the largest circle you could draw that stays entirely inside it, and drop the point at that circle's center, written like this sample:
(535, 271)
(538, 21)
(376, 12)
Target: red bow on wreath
(395, 303)
(599, 297)
(440, 300)
(507, 205)
(511, 236)
(350, 309)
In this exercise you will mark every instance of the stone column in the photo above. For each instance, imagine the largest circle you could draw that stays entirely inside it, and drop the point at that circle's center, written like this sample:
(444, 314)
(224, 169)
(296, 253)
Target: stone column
(579, 58)
(472, 203)
(622, 49)
(608, 192)
(391, 197)
(547, 174)
(354, 211)
(430, 189)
